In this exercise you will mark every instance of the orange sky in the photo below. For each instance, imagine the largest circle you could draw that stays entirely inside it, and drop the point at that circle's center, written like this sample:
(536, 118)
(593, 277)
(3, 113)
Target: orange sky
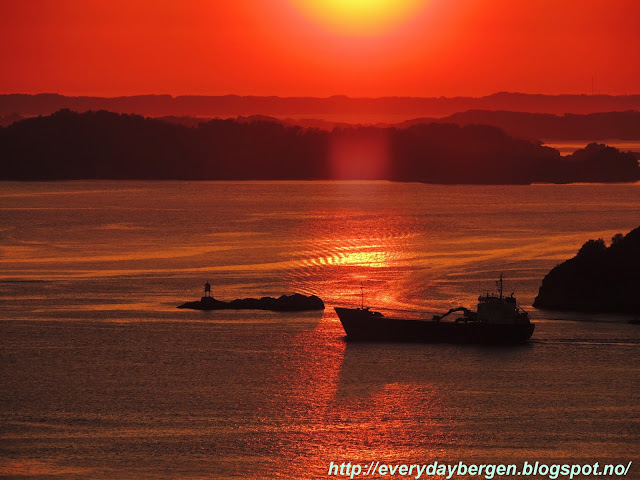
(315, 48)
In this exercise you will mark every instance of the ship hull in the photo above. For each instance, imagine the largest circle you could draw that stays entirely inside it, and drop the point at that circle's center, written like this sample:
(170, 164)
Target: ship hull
(361, 325)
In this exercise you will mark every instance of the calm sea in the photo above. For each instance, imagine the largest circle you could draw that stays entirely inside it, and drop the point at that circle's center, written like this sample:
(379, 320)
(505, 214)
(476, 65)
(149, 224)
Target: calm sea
(102, 377)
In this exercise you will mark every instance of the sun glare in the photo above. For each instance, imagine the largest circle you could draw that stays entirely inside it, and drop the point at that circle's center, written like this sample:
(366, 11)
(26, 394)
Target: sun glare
(359, 17)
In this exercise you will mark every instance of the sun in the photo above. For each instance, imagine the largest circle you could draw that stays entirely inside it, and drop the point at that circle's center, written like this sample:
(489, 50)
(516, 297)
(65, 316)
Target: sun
(360, 17)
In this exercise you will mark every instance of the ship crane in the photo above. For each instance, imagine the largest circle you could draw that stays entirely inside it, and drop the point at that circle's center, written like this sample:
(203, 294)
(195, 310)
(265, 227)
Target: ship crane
(467, 313)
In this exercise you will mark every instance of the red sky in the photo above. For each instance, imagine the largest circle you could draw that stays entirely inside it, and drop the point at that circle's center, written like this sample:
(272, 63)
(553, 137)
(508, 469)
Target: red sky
(299, 47)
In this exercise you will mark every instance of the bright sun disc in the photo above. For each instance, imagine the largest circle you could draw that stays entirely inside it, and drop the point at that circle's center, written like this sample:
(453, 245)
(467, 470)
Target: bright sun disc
(360, 17)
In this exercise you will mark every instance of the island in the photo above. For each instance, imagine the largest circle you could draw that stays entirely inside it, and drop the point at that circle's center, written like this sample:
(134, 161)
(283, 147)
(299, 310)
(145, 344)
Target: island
(599, 279)
(109, 146)
(284, 303)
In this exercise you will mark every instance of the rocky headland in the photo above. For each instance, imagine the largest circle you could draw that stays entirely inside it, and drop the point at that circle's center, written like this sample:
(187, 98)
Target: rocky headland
(597, 279)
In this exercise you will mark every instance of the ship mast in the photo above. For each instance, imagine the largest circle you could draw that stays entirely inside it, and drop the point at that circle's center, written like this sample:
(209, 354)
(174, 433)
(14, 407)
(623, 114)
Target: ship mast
(500, 285)
(361, 296)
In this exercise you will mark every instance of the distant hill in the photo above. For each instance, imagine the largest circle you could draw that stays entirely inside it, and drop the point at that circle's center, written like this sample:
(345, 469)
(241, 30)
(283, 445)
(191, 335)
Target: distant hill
(383, 109)
(535, 117)
(545, 126)
(105, 145)
(534, 126)
(301, 122)
(6, 120)
(597, 279)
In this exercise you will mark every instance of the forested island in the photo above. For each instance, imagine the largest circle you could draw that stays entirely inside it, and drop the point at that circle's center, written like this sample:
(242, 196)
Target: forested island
(104, 145)
(597, 279)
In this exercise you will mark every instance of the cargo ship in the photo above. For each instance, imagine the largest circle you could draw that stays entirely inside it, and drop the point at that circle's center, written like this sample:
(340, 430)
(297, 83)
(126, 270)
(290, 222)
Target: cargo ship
(498, 320)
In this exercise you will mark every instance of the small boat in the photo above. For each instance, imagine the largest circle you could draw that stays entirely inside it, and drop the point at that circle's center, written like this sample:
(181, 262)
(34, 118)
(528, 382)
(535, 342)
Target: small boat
(498, 320)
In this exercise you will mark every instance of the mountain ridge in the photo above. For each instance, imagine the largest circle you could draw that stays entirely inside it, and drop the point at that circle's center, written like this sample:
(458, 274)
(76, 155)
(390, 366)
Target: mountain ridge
(216, 105)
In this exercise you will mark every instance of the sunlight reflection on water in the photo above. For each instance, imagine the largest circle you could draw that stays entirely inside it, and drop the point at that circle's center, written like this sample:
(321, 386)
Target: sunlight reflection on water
(104, 378)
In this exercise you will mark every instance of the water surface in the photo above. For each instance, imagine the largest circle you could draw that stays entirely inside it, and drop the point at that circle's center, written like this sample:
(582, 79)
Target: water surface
(103, 378)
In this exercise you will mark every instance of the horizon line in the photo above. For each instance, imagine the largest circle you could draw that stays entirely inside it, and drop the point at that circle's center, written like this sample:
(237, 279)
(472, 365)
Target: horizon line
(329, 97)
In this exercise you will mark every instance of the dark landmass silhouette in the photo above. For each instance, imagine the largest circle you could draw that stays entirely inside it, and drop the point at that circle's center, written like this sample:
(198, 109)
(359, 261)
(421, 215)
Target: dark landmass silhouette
(597, 279)
(187, 121)
(534, 126)
(284, 303)
(384, 107)
(588, 119)
(105, 145)
(544, 126)
(6, 120)
(313, 123)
